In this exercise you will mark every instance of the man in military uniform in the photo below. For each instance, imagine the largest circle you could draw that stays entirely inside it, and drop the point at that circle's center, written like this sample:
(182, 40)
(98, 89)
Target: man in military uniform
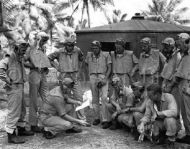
(162, 113)
(69, 58)
(173, 58)
(57, 112)
(121, 99)
(37, 75)
(99, 65)
(124, 62)
(150, 63)
(183, 81)
(13, 73)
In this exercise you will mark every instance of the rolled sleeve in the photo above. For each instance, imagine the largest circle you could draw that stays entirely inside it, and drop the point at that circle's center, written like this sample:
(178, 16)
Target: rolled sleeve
(81, 55)
(135, 59)
(172, 106)
(4, 63)
(148, 112)
(109, 61)
(60, 106)
(162, 58)
(53, 56)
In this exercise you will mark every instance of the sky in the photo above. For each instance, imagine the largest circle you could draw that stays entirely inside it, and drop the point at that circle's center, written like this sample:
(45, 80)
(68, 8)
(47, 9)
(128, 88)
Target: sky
(127, 6)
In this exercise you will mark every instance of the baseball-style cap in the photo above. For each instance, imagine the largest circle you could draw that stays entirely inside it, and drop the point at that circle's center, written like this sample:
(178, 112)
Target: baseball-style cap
(120, 41)
(115, 79)
(67, 81)
(96, 43)
(42, 34)
(138, 84)
(168, 41)
(146, 40)
(183, 36)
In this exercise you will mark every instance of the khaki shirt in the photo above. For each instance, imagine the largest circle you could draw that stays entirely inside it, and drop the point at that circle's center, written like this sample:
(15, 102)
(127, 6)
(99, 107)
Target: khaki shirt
(98, 65)
(171, 66)
(68, 62)
(167, 106)
(13, 69)
(150, 65)
(127, 100)
(183, 72)
(123, 63)
(55, 104)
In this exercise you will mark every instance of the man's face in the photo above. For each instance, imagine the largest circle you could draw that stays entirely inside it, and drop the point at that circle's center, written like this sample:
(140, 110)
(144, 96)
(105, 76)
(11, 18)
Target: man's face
(69, 47)
(22, 48)
(137, 92)
(43, 41)
(180, 43)
(119, 49)
(145, 47)
(167, 49)
(95, 49)
(153, 96)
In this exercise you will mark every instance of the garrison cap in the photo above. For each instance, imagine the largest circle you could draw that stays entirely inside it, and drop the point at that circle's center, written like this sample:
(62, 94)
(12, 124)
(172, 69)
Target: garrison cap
(146, 40)
(96, 43)
(120, 41)
(168, 41)
(183, 36)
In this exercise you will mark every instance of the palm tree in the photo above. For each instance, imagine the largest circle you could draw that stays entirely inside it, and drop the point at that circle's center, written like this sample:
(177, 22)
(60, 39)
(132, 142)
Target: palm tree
(166, 11)
(116, 17)
(96, 4)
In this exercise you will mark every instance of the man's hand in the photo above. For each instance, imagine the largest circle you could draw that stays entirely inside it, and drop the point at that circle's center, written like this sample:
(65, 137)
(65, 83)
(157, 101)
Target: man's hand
(125, 110)
(118, 108)
(160, 115)
(114, 115)
(78, 103)
(140, 128)
(83, 123)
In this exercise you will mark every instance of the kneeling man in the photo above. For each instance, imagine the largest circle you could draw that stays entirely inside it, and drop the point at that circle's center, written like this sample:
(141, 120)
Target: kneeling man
(57, 112)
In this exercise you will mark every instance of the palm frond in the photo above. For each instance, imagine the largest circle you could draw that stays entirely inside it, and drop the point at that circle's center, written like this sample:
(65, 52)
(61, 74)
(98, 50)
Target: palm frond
(173, 4)
(61, 6)
(123, 17)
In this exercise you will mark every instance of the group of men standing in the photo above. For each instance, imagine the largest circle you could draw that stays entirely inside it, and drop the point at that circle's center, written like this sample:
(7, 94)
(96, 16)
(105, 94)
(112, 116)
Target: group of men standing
(153, 105)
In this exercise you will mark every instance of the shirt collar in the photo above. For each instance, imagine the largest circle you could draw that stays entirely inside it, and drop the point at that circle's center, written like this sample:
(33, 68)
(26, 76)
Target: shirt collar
(98, 55)
(163, 99)
(147, 55)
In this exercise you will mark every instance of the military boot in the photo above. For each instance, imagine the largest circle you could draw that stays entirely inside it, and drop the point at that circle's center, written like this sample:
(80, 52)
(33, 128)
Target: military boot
(12, 138)
(23, 132)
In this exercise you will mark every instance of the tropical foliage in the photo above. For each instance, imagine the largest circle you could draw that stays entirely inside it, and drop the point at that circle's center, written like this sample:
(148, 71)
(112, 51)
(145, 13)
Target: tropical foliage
(85, 4)
(116, 17)
(166, 11)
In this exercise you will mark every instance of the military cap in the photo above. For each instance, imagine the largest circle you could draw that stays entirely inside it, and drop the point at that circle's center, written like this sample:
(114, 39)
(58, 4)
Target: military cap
(96, 43)
(146, 40)
(183, 36)
(168, 41)
(70, 39)
(120, 41)
(42, 34)
(115, 79)
(67, 81)
(137, 84)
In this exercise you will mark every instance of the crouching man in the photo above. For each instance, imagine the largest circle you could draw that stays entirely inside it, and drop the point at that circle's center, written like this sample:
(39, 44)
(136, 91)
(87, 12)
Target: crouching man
(121, 99)
(57, 112)
(163, 109)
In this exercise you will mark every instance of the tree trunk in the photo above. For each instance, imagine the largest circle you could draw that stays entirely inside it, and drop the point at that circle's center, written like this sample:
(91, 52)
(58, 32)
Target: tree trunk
(82, 12)
(88, 13)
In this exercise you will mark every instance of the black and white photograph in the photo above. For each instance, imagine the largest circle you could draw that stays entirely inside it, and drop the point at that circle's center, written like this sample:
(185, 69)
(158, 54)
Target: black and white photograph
(94, 74)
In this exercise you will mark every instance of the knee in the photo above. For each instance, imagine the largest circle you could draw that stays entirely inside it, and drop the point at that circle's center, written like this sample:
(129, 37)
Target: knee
(137, 117)
(171, 126)
(120, 118)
